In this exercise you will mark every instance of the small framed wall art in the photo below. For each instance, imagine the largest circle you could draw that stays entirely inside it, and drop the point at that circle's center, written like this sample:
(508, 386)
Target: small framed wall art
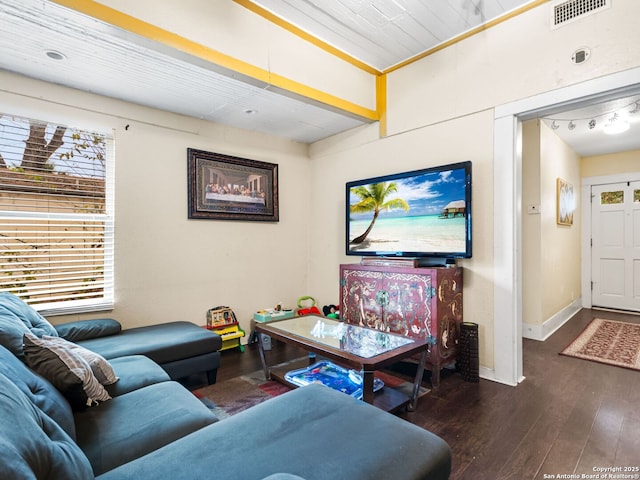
(223, 187)
(564, 202)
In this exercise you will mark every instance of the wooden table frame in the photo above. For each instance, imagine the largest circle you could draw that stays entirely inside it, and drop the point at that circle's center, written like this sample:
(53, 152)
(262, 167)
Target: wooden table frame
(387, 399)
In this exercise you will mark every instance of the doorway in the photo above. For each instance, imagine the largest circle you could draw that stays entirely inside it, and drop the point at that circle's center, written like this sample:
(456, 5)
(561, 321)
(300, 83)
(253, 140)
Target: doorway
(508, 272)
(611, 276)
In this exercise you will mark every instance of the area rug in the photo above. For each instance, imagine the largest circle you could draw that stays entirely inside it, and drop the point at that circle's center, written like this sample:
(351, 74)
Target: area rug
(608, 341)
(230, 397)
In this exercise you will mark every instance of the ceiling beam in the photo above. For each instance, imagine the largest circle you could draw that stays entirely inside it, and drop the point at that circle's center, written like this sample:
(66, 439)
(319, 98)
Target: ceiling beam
(280, 83)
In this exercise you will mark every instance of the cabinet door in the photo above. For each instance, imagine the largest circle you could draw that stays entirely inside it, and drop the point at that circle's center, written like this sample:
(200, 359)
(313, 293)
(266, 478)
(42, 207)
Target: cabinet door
(361, 300)
(408, 310)
(449, 312)
(392, 301)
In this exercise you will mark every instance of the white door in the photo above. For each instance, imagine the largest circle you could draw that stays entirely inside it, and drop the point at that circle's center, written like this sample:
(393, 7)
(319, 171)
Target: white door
(615, 249)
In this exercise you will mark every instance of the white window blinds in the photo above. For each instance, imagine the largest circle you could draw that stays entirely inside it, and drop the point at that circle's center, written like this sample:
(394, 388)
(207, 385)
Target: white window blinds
(56, 215)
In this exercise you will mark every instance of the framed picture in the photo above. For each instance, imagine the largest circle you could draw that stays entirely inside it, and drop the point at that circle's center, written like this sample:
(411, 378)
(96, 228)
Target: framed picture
(565, 205)
(222, 187)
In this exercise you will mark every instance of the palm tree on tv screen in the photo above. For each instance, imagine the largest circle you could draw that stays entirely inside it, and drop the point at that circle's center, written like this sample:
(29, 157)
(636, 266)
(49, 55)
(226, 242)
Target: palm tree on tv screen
(373, 199)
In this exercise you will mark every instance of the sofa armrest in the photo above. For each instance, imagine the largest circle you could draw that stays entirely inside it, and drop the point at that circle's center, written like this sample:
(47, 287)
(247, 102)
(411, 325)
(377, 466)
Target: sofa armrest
(86, 329)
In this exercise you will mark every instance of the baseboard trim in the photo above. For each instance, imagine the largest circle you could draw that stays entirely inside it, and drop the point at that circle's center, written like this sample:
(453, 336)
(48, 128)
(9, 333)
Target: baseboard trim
(548, 328)
(490, 374)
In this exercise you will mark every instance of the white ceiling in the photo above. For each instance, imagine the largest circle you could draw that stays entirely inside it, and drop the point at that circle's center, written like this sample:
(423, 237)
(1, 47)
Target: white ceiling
(109, 61)
(384, 33)
(106, 60)
(583, 128)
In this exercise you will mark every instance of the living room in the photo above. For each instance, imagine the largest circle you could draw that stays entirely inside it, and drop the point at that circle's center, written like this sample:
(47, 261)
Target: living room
(450, 106)
(193, 265)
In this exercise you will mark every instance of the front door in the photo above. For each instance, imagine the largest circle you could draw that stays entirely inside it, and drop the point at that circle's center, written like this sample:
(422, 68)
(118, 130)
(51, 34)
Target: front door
(615, 249)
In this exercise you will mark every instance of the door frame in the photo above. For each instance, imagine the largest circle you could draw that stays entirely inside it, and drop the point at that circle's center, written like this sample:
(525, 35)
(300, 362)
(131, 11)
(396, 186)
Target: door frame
(507, 208)
(587, 183)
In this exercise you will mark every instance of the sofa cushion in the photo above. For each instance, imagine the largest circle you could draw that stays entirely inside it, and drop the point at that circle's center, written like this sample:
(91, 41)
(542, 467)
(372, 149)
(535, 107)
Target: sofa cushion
(11, 331)
(85, 329)
(38, 390)
(36, 323)
(32, 444)
(162, 343)
(314, 432)
(139, 422)
(18, 318)
(100, 367)
(66, 370)
(135, 372)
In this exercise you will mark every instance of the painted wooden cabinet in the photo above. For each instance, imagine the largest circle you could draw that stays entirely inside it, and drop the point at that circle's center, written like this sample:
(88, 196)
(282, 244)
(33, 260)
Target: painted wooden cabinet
(420, 302)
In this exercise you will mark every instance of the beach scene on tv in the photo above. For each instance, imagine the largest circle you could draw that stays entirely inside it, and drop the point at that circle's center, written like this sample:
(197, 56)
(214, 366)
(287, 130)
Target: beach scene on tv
(423, 214)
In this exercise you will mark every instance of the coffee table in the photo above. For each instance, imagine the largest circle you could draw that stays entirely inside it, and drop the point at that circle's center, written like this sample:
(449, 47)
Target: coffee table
(360, 348)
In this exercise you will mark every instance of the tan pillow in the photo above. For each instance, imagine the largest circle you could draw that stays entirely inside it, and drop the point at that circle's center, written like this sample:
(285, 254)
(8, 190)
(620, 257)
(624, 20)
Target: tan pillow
(66, 370)
(100, 367)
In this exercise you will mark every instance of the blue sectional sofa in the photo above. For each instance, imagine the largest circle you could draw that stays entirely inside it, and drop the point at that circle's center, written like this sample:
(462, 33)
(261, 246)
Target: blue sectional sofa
(151, 427)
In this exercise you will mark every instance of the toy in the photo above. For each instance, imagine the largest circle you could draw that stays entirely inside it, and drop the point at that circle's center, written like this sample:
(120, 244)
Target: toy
(223, 321)
(331, 311)
(312, 310)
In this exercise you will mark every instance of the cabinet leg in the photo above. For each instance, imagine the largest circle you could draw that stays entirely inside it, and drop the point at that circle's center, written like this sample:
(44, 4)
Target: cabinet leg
(435, 376)
(367, 386)
(417, 381)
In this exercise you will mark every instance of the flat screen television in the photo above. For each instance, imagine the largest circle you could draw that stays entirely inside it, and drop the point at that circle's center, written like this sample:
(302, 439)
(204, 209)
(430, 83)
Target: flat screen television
(422, 213)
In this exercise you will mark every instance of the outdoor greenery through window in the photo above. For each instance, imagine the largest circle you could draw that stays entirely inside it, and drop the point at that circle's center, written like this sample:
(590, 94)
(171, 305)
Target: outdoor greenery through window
(610, 198)
(56, 215)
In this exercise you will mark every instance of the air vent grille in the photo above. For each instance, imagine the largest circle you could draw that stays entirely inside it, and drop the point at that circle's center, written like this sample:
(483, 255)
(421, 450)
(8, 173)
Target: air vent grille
(571, 10)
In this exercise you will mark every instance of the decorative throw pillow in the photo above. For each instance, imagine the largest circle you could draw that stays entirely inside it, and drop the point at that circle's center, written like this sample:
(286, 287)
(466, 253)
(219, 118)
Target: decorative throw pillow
(100, 367)
(66, 370)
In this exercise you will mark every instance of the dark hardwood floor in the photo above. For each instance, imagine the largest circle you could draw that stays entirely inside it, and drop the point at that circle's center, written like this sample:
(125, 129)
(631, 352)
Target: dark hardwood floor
(569, 416)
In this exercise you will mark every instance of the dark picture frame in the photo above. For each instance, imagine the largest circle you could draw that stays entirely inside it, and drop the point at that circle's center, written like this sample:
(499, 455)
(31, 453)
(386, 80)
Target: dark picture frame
(223, 187)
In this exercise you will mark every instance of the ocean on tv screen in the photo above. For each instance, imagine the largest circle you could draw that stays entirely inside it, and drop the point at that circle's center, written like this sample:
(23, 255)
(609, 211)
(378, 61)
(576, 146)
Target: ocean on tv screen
(427, 233)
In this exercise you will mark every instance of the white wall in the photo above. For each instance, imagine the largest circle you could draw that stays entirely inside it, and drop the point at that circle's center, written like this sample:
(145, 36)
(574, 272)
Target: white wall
(531, 237)
(440, 109)
(551, 262)
(516, 59)
(167, 266)
(344, 158)
(560, 247)
(610, 164)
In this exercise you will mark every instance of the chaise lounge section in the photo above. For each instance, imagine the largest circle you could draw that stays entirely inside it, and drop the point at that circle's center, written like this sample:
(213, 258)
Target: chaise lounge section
(180, 348)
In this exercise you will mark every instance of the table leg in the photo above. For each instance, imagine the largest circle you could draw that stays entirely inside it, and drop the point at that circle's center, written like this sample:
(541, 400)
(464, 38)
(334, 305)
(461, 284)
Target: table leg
(417, 382)
(367, 386)
(263, 359)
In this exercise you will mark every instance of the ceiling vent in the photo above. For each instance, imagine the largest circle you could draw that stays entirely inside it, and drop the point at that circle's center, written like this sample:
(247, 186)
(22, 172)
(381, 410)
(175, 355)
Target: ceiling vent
(572, 10)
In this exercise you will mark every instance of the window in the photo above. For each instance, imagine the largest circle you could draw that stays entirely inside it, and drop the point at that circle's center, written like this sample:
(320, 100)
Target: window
(611, 198)
(56, 215)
